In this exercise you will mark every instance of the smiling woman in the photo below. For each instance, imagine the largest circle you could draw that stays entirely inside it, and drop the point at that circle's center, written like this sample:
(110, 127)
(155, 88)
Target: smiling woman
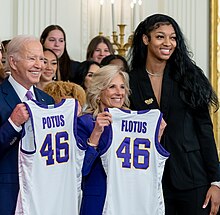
(98, 48)
(109, 88)
(54, 38)
(51, 69)
(184, 95)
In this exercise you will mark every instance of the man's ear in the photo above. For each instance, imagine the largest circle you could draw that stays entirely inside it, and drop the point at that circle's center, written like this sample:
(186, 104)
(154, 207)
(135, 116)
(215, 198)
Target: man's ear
(12, 63)
(145, 39)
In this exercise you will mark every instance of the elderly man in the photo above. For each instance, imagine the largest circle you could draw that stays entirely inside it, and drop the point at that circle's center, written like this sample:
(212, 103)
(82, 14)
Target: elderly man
(26, 61)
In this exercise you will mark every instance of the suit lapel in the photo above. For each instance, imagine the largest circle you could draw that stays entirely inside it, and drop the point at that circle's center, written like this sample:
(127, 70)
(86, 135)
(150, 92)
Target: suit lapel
(146, 91)
(143, 94)
(147, 96)
(39, 96)
(167, 88)
(10, 95)
(150, 99)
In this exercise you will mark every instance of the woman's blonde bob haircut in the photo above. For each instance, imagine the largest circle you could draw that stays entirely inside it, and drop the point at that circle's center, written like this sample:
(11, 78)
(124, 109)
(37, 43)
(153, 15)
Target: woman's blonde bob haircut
(101, 81)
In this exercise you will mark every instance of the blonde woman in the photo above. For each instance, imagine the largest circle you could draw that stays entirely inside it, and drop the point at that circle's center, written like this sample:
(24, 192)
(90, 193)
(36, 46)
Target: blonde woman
(109, 88)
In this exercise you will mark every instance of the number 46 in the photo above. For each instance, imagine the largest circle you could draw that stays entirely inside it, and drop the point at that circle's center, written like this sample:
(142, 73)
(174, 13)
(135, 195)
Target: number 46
(125, 153)
(60, 148)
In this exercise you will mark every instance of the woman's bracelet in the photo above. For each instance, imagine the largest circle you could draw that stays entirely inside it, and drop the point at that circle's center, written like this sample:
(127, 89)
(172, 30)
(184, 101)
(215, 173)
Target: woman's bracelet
(91, 144)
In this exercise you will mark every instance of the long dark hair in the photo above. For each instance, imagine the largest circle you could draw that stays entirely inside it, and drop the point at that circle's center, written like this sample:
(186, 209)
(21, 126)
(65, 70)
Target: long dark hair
(64, 60)
(195, 87)
(107, 60)
(57, 76)
(82, 72)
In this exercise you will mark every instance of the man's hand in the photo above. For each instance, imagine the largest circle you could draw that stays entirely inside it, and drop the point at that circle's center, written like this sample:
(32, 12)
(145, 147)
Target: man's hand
(19, 115)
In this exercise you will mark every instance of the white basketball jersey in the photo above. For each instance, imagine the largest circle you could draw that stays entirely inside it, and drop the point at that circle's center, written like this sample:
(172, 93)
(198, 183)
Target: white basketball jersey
(50, 161)
(134, 162)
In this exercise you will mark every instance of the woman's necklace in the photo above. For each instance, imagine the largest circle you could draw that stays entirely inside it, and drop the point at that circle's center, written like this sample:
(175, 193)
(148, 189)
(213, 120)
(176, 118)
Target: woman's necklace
(158, 74)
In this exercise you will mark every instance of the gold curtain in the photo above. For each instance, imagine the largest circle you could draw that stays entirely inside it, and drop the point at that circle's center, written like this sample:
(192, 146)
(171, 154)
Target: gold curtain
(215, 63)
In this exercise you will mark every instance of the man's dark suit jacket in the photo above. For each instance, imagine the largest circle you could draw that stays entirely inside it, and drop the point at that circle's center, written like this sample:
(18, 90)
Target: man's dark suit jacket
(193, 160)
(9, 138)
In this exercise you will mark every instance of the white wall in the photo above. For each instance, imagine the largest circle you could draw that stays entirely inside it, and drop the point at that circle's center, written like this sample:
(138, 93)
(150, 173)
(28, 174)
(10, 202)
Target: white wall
(32, 16)
(80, 20)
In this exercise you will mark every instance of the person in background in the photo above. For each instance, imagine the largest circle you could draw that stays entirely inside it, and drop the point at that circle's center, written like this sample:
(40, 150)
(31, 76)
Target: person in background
(85, 72)
(51, 70)
(115, 60)
(1, 50)
(53, 37)
(5, 44)
(6, 67)
(164, 76)
(26, 60)
(98, 48)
